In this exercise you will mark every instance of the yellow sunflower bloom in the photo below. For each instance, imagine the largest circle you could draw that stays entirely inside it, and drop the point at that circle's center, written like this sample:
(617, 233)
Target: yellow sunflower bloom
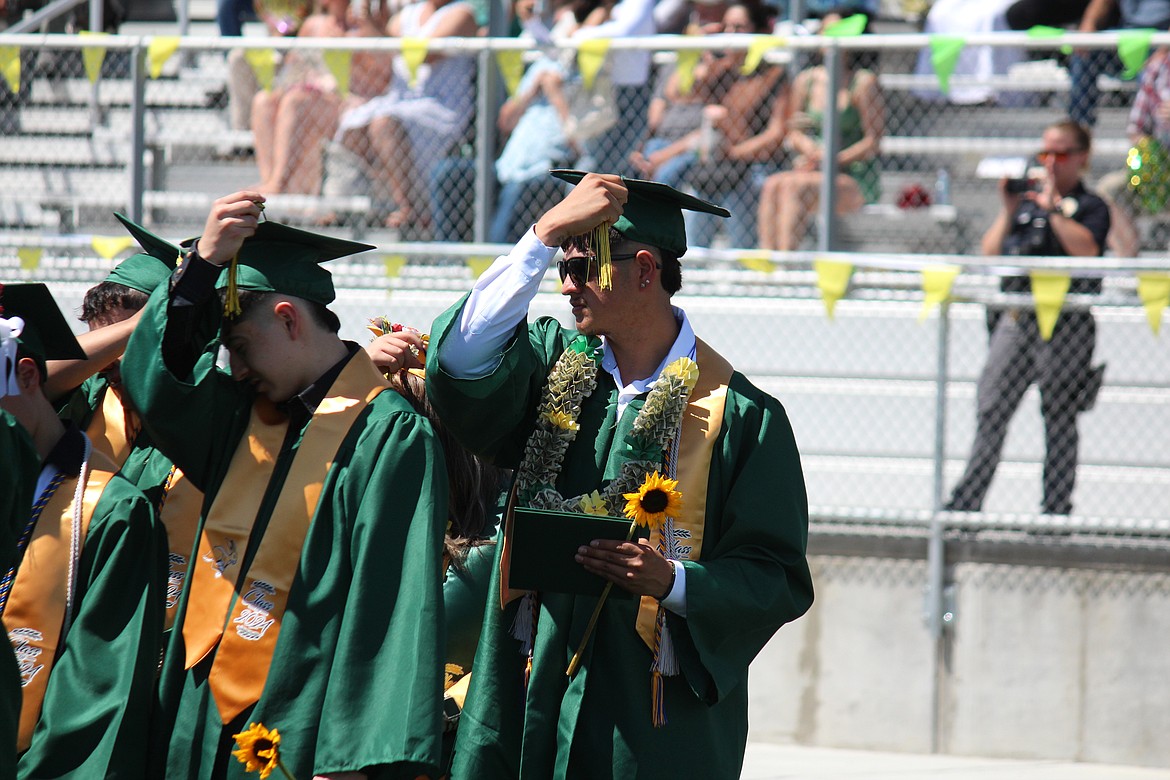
(594, 504)
(650, 504)
(561, 420)
(259, 749)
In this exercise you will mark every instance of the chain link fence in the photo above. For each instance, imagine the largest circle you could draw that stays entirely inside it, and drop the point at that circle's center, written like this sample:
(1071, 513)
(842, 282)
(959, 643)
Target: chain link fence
(439, 153)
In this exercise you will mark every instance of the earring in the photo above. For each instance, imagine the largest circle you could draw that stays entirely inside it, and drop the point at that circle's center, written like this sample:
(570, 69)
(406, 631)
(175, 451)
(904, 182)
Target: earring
(644, 283)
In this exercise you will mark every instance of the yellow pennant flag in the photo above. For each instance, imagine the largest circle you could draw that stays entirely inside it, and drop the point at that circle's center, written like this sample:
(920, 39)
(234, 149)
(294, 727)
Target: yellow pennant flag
(687, 60)
(833, 281)
(937, 281)
(339, 61)
(511, 64)
(1154, 290)
(590, 58)
(110, 247)
(1048, 291)
(757, 261)
(10, 66)
(263, 64)
(756, 49)
(479, 264)
(414, 51)
(93, 57)
(394, 265)
(159, 51)
(30, 257)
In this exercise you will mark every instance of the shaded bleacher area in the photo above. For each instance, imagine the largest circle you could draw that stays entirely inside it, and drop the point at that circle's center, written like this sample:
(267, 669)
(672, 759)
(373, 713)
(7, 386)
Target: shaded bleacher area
(65, 159)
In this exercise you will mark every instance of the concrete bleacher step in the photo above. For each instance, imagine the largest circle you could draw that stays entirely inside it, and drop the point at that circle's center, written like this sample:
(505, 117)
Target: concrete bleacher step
(64, 151)
(193, 92)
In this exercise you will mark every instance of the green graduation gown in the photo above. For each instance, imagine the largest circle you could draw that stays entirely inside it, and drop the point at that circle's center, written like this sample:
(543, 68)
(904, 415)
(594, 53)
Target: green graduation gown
(18, 479)
(97, 706)
(355, 683)
(751, 579)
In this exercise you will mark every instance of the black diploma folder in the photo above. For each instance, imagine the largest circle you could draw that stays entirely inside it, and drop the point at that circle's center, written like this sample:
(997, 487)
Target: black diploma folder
(543, 545)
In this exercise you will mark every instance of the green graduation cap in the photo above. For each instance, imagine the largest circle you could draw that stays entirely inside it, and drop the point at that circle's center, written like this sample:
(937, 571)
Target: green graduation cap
(148, 269)
(653, 212)
(284, 259)
(46, 333)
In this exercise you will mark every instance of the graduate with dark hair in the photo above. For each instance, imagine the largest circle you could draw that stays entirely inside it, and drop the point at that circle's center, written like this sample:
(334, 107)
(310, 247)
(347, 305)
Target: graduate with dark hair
(313, 602)
(627, 413)
(82, 603)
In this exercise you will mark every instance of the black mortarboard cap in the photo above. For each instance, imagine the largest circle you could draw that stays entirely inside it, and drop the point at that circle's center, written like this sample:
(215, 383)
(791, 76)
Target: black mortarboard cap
(653, 211)
(46, 334)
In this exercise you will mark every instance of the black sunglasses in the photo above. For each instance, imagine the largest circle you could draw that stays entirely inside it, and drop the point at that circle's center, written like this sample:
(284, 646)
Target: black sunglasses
(583, 269)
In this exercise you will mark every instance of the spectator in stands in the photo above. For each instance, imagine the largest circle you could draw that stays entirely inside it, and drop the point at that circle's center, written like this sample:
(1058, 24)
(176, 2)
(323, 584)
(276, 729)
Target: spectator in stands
(1149, 119)
(536, 121)
(1026, 14)
(980, 64)
(230, 15)
(1057, 217)
(292, 121)
(790, 197)
(1085, 66)
(400, 134)
(630, 72)
(746, 141)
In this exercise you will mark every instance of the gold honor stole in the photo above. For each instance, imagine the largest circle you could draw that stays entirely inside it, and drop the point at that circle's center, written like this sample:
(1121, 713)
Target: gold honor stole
(113, 429)
(179, 514)
(112, 433)
(701, 424)
(36, 607)
(245, 629)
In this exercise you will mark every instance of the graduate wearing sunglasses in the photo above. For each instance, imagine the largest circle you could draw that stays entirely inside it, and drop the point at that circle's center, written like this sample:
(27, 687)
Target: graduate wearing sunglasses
(666, 666)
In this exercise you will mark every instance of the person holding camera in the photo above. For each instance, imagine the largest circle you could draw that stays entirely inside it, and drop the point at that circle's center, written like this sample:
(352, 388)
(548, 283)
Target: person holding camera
(1049, 215)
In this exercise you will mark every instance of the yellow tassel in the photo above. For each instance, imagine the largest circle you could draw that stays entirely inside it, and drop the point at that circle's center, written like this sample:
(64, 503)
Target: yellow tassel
(599, 240)
(657, 700)
(231, 301)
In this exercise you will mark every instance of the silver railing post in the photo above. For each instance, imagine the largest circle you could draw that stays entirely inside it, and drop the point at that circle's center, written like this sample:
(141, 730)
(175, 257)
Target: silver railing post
(937, 616)
(138, 132)
(831, 138)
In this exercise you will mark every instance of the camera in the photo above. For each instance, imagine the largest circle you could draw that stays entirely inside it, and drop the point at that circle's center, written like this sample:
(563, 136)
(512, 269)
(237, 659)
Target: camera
(1019, 186)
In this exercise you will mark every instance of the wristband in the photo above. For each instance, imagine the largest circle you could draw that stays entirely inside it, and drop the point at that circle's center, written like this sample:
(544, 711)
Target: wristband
(670, 587)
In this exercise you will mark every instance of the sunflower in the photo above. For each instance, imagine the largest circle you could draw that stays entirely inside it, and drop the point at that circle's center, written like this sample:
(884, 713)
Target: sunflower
(649, 505)
(259, 749)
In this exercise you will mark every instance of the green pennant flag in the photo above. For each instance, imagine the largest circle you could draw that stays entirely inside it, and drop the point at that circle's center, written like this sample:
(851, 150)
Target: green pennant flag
(847, 27)
(1044, 31)
(511, 64)
(1133, 46)
(944, 55)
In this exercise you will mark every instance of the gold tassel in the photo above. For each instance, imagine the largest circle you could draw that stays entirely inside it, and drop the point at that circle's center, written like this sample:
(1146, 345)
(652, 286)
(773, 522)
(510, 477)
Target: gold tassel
(599, 242)
(657, 700)
(231, 301)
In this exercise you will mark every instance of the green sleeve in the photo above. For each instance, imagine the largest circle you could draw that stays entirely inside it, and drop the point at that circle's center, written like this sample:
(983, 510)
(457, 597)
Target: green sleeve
(98, 702)
(464, 600)
(18, 480)
(189, 418)
(512, 390)
(382, 700)
(80, 406)
(754, 577)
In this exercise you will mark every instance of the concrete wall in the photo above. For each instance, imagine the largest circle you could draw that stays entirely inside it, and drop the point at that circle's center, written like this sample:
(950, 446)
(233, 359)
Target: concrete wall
(1059, 650)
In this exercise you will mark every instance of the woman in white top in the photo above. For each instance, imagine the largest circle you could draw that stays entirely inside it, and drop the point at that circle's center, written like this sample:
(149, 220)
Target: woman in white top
(401, 133)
